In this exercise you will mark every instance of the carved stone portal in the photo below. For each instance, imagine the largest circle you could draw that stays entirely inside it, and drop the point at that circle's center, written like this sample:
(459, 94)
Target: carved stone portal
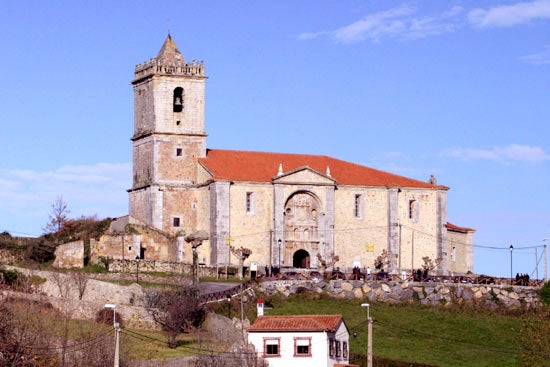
(301, 244)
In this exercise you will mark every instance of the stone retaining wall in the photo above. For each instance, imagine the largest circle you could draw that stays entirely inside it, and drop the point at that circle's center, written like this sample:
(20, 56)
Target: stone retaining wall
(131, 266)
(431, 294)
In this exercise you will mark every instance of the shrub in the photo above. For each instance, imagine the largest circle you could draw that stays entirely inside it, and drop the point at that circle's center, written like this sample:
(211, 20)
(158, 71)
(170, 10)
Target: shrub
(544, 293)
(105, 316)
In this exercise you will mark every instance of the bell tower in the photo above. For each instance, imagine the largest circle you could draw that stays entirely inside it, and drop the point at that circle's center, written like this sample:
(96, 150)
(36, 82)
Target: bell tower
(169, 133)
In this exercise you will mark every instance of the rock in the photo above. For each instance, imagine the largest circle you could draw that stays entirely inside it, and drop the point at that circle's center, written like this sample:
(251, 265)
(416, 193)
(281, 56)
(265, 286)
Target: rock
(347, 286)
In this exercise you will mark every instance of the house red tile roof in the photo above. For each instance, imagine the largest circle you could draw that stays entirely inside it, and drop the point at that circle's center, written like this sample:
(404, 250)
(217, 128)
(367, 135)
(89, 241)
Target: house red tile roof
(235, 165)
(296, 323)
(456, 228)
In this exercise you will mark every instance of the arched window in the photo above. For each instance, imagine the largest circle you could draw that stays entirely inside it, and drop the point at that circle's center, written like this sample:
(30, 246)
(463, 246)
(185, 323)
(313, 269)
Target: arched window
(178, 99)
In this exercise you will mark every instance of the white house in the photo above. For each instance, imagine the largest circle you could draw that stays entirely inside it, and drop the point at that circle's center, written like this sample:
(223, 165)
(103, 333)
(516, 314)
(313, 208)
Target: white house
(301, 340)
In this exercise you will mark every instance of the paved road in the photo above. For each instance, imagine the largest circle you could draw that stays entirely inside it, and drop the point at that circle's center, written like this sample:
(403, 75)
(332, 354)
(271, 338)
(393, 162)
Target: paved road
(212, 287)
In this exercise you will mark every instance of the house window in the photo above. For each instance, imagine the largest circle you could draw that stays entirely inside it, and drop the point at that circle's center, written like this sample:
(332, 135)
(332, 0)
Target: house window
(357, 206)
(345, 349)
(178, 99)
(179, 152)
(250, 203)
(302, 347)
(176, 222)
(331, 351)
(272, 347)
(413, 210)
(337, 348)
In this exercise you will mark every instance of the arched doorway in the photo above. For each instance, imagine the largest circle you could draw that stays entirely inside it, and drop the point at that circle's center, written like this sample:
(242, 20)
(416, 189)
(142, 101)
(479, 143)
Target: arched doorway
(301, 226)
(301, 259)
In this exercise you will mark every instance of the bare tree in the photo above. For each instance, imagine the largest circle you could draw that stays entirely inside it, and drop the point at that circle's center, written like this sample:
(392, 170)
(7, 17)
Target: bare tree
(63, 286)
(382, 261)
(327, 263)
(242, 253)
(430, 264)
(175, 310)
(58, 216)
(81, 281)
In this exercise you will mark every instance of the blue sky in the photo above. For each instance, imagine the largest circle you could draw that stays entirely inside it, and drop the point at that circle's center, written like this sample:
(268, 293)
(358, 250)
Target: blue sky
(458, 89)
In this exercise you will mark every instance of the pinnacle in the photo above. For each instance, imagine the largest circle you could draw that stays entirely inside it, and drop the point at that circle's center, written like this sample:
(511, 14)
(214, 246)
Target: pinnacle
(169, 53)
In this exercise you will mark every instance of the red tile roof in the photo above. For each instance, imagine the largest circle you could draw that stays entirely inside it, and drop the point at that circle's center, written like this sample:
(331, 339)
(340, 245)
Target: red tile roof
(456, 228)
(235, 165)
(296, 323)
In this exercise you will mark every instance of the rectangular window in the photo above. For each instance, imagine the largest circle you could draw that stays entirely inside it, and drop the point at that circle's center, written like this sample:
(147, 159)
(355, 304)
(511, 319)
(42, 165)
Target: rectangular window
(337, 347)
(179, 152)
(331, 351)
(413, 210)
(357, 206)
(176, 222)
(272, 347)
(345, 349)
(302, 347)
(250, 203)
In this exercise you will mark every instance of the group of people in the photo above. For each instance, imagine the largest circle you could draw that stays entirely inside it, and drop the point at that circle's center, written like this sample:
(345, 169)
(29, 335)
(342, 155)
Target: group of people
(420, 275)
(522, 279)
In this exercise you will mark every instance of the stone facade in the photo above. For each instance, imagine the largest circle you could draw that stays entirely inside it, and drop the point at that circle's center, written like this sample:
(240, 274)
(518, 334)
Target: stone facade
(299, 212)
(128, 239)
(69, 255)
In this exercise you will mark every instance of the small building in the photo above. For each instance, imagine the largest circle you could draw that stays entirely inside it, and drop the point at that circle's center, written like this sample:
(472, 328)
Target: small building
(301, 340)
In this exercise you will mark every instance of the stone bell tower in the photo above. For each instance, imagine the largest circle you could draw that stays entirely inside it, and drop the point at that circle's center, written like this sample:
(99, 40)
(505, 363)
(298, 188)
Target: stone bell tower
(169, 133)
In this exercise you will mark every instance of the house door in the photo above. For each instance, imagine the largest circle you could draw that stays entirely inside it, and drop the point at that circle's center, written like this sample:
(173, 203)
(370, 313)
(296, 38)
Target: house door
(301, 259)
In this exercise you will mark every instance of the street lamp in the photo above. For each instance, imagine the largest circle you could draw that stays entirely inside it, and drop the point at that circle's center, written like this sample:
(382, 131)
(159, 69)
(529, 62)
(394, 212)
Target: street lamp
(511, 257)
(228, 306)
(137, 269)
(369, 337)
(116, 325)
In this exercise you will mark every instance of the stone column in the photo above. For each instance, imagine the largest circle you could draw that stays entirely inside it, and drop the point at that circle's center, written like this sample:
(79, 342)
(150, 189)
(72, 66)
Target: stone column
(393, 229)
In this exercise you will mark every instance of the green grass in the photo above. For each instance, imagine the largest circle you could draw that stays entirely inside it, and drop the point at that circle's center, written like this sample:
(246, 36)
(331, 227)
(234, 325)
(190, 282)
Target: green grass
(434, 336)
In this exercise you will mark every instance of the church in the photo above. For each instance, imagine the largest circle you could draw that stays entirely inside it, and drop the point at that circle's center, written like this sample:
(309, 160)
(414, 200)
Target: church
(290, 210)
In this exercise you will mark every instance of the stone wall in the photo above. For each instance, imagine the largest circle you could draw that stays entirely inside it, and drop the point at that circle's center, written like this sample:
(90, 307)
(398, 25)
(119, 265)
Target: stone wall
(11, 256)
(152, 266)
(430, 294)
(70, 255)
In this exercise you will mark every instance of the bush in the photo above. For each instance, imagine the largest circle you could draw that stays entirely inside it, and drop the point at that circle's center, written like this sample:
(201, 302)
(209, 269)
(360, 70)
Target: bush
(9, 277)
(105, 316)
(544, 293)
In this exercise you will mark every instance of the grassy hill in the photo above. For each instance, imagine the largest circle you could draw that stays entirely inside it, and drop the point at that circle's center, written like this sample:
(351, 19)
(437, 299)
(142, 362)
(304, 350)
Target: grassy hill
(432, 336)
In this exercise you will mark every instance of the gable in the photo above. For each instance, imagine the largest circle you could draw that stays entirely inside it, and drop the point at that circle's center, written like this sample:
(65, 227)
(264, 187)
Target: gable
(304, 175)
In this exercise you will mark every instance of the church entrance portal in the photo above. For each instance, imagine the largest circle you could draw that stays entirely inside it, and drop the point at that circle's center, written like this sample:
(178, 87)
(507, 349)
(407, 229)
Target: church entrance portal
(301, 259)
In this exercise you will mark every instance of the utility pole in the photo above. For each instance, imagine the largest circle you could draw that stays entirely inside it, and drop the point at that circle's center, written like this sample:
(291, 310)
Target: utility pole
(545, 262)
(369, 335)
(117, 345)
(537, 262)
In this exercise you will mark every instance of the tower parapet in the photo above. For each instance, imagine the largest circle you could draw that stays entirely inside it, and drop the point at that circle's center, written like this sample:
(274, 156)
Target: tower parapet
(154, 66)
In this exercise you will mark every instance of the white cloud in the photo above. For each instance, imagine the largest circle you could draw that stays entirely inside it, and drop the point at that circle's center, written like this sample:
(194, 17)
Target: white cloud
(510, 153)
(541, 58)
(393, 23)
(27, 195)
(510, 15)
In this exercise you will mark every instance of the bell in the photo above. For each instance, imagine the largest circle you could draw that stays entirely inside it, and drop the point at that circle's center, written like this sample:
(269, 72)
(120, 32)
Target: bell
(177, 102)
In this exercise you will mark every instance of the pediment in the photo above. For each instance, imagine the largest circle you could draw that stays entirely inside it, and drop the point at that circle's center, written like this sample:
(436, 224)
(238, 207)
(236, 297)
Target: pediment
(304, 175)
